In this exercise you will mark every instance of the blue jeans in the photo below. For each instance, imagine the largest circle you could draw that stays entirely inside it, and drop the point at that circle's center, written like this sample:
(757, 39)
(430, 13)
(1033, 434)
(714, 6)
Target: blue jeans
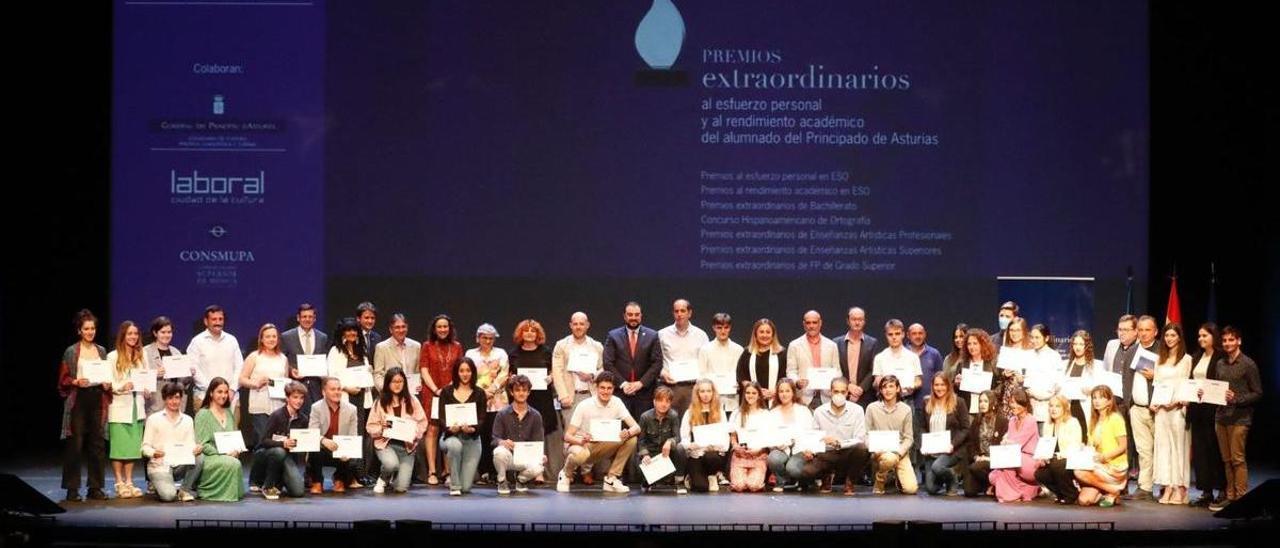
(397, 464)
(280, 468)
(162, 478)
(938, 473)
(788, 468)
(463, 456)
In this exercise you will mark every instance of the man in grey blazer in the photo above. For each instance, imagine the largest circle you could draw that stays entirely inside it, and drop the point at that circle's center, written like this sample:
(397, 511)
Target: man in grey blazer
(332, 417)
(866, 348)
(398, 351)
(304, 340)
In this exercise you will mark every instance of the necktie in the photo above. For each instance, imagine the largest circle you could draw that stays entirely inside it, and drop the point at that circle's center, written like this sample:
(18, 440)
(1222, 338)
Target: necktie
(632, 340)
(306, 343)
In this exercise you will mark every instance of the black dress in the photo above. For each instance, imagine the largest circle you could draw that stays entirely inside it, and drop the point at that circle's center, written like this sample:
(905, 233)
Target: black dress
(1077, 406)
(1206, 461)
(542, 400)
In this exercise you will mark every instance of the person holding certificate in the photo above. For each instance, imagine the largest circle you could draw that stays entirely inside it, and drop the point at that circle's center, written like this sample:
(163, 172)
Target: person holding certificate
(154, 354)
(1044, 369)
(784, 463)
(84, 412)
(349, 353)
(987, 428)
(163, 430)
(216, 353)
(395, 450)
(1012, 359)
(283, 467)
(221, 477)
(265, 367)
(1244, 389)
(439, 354)
(1019, 484)
(517, 424)
(844, 437)
(813, 355)
(532, 354)
(1078, 381)
(305, 340)
(958, 354)
(759, 362)
(750, 461)
(1103, 484)
(680, 342)
(718, 360)
(889, 413)
(1171, 455)
(979, 353)
(944, 412)
(127, 410)
(596, 432)
(332, 417)
(575, 361)
(1206, 460)
(493, 367)
(660, 435)
(1065, 430)
(462, 445)
(705, 448)
(896, 360)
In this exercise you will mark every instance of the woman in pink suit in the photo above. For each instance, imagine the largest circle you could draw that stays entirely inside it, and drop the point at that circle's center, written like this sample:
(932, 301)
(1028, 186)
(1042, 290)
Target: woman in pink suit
(1013, 484)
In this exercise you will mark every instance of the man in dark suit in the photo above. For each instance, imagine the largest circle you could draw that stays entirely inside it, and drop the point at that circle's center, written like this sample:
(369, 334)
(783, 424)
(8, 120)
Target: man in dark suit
(305, 340)
(634, 353)
(864, 348)
(367, 315)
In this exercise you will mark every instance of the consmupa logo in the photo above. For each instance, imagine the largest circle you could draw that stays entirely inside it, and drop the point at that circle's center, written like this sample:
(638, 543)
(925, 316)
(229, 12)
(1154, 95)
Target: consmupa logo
(195, 184)
(215, 256)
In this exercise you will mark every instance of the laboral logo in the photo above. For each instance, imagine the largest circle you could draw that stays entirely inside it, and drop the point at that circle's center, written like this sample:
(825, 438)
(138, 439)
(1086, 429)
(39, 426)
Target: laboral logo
(196, 187)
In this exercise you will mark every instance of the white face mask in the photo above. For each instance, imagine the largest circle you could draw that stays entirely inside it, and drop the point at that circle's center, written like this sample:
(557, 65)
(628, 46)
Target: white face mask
(1004, 322)
(838, 400)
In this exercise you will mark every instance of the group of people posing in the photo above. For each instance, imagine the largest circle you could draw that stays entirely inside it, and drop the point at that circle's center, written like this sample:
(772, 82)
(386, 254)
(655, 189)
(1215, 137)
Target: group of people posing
(1001, 414)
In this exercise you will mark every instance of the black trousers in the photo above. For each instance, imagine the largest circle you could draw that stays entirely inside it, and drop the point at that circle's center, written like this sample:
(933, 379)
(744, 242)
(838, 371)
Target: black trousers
(87, 442)
(698, 470)
(1206, 459)
(1058, 480)
(847, 462)
(976, 480)
(342, 471)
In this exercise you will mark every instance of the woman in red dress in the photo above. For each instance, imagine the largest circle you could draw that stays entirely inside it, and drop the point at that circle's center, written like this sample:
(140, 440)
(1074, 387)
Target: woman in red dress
(440, 351)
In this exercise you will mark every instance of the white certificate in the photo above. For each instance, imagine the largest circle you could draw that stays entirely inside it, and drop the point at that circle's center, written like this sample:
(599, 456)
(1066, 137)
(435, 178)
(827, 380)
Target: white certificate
(975, 381)
(762, 437)
(935, 443)
(683, 370)
(95, 371)
(884, 441)
(1112, 380)
(414, 381)
(401, 429)
(226, 442)
(460, 414)
(1215, 392)
(313, 365)
(537, 377)
(1082, 458)
(528, 453)
(726, 383)
(1015, 360)
(582, 361)
(1006, 456)
(1075, 388)
(275, 388)
(1162, 392)
(1039, 380)
(1040, 410)
(811, 441)
(659, 467)
(176, 367)
(606, 430)
(715, 434)
(308, 440)
(348, 447)
(820, 377)
(973, 404)
(359, 376)
(143, 379)
(1045, 448)
(179, 453)
(1187, 391)
(1145, 359)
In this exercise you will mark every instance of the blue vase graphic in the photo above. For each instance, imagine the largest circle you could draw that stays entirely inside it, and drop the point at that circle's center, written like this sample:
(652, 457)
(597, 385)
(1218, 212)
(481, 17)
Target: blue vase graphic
(660, 35)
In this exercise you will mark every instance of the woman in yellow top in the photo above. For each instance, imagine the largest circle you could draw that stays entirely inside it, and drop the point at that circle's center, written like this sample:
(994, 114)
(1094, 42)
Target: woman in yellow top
(1110, 474)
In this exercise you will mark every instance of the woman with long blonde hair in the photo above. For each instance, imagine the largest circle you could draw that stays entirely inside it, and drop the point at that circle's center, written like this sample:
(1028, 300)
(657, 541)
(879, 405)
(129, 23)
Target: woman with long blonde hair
(705, 457)
(127, 410)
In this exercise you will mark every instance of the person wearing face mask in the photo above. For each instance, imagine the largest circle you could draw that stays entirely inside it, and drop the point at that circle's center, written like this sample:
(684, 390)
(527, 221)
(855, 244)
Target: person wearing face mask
(1008, 311)
(844, 431)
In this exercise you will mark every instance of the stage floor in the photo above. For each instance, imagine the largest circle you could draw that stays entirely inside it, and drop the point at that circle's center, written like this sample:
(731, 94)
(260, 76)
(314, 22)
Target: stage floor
(589, 505)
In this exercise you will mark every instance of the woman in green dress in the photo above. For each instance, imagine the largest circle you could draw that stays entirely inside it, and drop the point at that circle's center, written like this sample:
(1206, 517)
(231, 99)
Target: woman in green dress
(221, 478)
(127, 411)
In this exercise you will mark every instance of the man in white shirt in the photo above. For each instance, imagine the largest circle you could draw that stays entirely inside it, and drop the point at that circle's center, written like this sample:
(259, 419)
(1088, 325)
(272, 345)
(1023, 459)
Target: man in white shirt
(812, 351)
(216, 353)
(896, 360)
(167, 426)
(1141, 417)
(680, 343)
(584, 450)
(718, 361)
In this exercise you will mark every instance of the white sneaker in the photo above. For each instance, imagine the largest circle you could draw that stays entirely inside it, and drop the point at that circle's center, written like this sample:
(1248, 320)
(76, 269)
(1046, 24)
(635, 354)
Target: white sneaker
(380, 487)
(522, 487)
(455, 492)
(712, 484)
(562, 483)
(614, 485)
(255, 489)
(271, 493)
(504, 488)
(721, 479)
(184, 496)
(681, 489)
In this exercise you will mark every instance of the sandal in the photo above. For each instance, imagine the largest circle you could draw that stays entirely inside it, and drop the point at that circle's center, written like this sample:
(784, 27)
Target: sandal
(134, 492)
(122, 491)
(432, 479)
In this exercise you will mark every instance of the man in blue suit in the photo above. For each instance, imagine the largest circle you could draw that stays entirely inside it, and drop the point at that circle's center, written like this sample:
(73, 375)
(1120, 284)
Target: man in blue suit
(305, 340)
(634, 354)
